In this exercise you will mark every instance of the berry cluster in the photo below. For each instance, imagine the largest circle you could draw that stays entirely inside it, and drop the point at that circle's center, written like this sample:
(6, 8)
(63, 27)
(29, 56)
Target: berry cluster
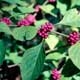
(45, 29)
(6, 20)
(73, 37)
(56, 74)
(28, 20)
(51, 1)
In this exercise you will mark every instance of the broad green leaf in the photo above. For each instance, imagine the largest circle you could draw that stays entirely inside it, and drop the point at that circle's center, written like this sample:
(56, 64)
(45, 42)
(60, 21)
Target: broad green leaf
(48, 9)
(12, 1)
(69, 69)
(62, 7)
(14, 57)
(8, 8)
(71, 18)
(2, 51)
(75, 3)
(24, 33)
(74, 54)
(17, 16)
(52, 41)
(23, 3)
(55, 56)
(65, 78)
(32, 63)
(26, 9)
(4, 28)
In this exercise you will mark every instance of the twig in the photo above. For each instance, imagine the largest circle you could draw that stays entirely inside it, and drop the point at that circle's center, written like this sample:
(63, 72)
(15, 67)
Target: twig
(11, 66)
(55, 32)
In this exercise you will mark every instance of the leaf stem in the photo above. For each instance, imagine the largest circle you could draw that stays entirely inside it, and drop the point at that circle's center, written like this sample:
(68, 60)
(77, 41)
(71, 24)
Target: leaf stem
(55, 32)
(45, 2)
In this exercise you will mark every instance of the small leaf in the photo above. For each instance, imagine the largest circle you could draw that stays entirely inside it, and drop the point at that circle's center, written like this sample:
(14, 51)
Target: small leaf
(14, 57)
(62, 7)
(74, 54)
(52, 41)
(71, 18)
(12, 1)
(4, 28)
(8, 8)
(32, 62)
(55, 56)
(26, 10)
(48, 9)
(2, 51)
(75, 3)
(24, 33)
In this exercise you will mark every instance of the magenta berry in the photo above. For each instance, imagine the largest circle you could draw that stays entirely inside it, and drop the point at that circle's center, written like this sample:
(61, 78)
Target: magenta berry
(51, 1)
(37, 8)
(45, 29)
(30, 18)
(56, 75)
(23, 22)
(27, 21)
(73, 37)
(6, 20)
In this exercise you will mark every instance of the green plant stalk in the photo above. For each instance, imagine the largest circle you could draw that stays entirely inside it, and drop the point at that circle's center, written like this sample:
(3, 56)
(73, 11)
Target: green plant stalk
(61, 34)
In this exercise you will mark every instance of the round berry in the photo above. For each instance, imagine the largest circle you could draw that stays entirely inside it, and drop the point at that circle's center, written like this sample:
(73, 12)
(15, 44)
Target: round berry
(6, 20)
(56, 75)
(45, 29)
(30, 18)
(23, 22)
(73, 37)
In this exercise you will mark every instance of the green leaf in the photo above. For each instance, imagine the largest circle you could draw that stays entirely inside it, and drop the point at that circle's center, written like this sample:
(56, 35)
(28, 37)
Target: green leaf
(26, 9)
(75, 3)
(40, 22)
(2, 51)
(12, 1)
(48, 9)
(71, 18)
(14, 57)
(62, 7)
(24, 33)
(55, 56)
(74, 54)
(32, 63)
(8, 8)
(76, 76)
(65, 78)
(69, 69)
(52, 41)
(4, 28)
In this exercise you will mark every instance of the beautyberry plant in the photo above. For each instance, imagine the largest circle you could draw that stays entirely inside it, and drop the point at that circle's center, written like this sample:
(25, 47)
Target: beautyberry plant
(39, 40)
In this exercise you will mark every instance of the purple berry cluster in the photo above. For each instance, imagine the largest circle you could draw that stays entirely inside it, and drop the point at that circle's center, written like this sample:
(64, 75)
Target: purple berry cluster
(73, 37)
(28, 20)
(56, 75)
(45, 29)
(6, 20)
(51, 1)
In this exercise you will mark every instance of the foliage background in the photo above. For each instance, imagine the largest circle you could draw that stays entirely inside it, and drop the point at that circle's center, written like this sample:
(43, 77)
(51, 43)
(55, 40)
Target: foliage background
(35, 56)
